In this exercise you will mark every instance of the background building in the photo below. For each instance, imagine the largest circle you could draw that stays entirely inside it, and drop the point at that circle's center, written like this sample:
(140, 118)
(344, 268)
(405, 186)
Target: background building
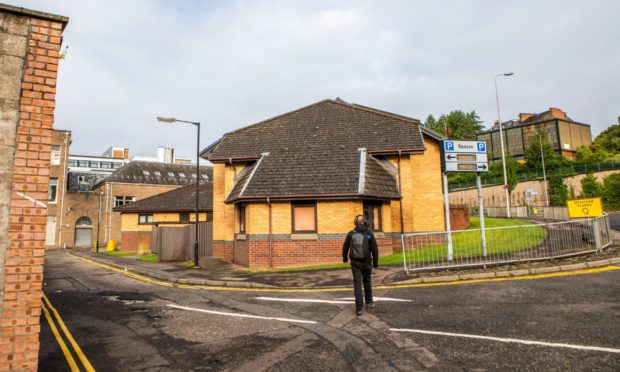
(563, 133)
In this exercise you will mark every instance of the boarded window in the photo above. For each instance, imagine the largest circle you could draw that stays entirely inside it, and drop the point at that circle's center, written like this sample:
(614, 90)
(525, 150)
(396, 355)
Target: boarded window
(304, 218)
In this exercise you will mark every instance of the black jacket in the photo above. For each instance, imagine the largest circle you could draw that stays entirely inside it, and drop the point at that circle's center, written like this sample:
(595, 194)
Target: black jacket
(370, 243)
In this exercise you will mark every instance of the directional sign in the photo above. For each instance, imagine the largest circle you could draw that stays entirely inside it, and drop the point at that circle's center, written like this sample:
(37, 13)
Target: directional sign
(465, 146)
(583, 208)
(464, 156)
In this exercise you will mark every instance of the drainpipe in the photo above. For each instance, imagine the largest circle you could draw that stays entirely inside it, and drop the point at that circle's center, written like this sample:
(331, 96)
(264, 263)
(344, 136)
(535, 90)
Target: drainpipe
(400, 188)
(270, 235)
(64, 186)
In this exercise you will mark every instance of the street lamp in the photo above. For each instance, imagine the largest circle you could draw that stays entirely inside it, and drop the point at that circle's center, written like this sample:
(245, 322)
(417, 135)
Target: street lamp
(501, 141)
(197, 124)
(542, 156)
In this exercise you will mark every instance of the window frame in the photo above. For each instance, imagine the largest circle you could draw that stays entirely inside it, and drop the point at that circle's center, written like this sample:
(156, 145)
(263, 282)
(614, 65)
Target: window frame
(52, 185)
(55, 155)
(304, 204)
(147, 215)
(374, 205)
(242, 218)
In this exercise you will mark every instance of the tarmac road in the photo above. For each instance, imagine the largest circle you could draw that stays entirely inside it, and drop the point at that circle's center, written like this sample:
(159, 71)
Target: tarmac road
(124, 324)
(614, 221)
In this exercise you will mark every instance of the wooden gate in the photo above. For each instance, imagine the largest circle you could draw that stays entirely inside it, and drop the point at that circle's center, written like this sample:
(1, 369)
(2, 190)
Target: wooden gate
(177, 243)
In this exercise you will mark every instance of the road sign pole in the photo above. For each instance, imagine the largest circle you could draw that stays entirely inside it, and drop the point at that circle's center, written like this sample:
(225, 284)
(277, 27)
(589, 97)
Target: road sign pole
(483, 236)
(446, 205)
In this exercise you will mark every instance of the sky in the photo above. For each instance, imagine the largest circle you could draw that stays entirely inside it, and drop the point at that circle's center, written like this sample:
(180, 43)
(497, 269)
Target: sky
(229, 64)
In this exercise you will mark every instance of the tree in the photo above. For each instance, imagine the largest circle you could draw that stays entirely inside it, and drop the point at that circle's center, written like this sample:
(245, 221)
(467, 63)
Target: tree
(594, 152)
(609, 139)
(558, 192)
(431, 123)
(533, 153)
(590, 187)
(512, 167)
(456, 125)
(611, 191)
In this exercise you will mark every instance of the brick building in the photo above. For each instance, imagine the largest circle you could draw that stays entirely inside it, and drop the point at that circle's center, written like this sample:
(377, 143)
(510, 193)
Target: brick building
(172, 209)
(563, 133)
(29, 53)
(286, 190)
(135, 181)
(61, 141)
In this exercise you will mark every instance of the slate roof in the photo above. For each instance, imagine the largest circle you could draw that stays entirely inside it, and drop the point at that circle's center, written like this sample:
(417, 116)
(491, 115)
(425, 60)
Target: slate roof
(90, 179)
(543, 116)
(313, 152)
(157, 173)
(182, 199)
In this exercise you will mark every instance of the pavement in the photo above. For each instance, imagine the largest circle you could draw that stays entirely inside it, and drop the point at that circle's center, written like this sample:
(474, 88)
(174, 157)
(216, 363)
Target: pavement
(222, 273)
(614, 221)
(122, 322)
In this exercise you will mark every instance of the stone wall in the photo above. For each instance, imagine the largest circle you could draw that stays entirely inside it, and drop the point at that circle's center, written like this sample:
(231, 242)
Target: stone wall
(29, 54)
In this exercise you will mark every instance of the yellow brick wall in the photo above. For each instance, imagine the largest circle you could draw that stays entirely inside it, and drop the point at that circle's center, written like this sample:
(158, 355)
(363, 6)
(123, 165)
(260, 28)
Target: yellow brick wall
(224, 215)
(130, 220)
(336, 217)
(257, 218)
(424, 201)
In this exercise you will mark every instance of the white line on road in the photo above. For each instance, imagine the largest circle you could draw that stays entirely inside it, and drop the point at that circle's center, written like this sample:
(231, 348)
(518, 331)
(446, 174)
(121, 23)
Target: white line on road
(241, 315)
(390, 299)
(515, 340)
(311, 300)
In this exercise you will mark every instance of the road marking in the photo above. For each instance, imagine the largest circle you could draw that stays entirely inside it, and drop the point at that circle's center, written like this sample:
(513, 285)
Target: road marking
(76, 348)
(512, 340)
(61, 342)
(310, 300)
(377, 299)
(343, 289)
(242, 315)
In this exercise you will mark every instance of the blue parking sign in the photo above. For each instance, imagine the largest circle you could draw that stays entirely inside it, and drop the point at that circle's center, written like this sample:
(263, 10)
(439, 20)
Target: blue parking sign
(482, 146)
(448, 145)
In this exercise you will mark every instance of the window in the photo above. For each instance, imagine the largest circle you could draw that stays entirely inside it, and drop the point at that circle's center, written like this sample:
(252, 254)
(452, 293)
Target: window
(241, 216)
(372, 212)
(184, 217)
(106, 165)
(206, 177)
(122, 200)
(83, 163)
(304, 218)
(194, 176)
(182, 175)
(94, 164)
(157, 173)
(144, 219)
(55, 155)
(81, 179)
(73, 163)
(171, 174)
(117, 165)
(52, 190)
(146, 173)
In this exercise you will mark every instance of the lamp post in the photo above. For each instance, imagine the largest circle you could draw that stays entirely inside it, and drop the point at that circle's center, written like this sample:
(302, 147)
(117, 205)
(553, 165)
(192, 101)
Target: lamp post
(542, 156)
(197, 124)
(501, 141)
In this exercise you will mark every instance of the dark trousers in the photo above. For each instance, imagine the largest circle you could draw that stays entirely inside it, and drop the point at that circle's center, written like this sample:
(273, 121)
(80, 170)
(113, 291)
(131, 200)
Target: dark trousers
(361, 273)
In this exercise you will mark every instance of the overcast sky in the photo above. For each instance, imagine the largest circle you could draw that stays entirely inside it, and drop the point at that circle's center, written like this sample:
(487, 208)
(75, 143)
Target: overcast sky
(232, 63)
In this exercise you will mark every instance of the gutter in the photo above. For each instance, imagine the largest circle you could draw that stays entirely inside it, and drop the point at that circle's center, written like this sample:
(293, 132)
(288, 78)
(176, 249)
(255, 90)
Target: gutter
(311, 197)
(397, 151)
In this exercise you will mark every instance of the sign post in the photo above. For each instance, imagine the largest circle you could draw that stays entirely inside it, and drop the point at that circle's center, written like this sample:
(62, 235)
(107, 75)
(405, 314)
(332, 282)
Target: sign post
(464, 156)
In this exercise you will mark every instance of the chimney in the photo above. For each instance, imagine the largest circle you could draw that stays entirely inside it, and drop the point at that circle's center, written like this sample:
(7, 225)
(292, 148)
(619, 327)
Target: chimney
(557, 113)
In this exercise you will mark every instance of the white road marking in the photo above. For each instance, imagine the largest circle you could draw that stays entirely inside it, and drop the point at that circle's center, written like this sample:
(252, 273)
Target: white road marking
(311, 300)
(514, 340)
(241, 315)
(390, 299)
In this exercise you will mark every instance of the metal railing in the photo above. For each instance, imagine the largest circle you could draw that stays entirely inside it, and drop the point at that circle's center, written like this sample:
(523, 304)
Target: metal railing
(565, 171)
(430, 251)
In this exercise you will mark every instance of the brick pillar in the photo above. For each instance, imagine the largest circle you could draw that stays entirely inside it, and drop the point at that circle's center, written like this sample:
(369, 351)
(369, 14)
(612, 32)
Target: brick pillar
(29, 51)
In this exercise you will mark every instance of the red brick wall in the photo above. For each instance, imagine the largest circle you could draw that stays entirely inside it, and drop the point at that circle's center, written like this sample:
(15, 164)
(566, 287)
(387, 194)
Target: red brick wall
(459, 217)
(255, 254)
(132, 240)
(21, 304)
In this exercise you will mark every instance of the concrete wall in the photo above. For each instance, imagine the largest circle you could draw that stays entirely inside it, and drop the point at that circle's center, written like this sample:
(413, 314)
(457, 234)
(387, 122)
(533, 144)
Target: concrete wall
(29, 50)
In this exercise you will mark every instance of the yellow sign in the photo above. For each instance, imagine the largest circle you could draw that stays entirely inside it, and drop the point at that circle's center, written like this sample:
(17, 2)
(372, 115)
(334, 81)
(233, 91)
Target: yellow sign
(582, 208)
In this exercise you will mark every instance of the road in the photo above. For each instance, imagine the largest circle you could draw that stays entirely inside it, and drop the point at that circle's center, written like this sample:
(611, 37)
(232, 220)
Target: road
(125, 324)
(614, 221)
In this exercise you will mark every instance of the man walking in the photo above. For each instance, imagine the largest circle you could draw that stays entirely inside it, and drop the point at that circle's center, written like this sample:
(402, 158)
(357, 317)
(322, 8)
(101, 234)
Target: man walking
(361, 247)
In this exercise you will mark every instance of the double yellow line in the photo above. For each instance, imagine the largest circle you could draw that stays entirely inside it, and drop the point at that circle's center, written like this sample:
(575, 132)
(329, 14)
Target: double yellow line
(49, 310)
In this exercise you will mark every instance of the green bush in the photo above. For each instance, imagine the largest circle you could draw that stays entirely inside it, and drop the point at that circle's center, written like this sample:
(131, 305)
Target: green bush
(611, 191)
(558, 192)
(590, 187)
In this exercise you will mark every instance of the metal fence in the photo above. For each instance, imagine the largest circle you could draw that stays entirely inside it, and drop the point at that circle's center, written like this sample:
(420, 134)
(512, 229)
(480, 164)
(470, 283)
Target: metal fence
(526, 242)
